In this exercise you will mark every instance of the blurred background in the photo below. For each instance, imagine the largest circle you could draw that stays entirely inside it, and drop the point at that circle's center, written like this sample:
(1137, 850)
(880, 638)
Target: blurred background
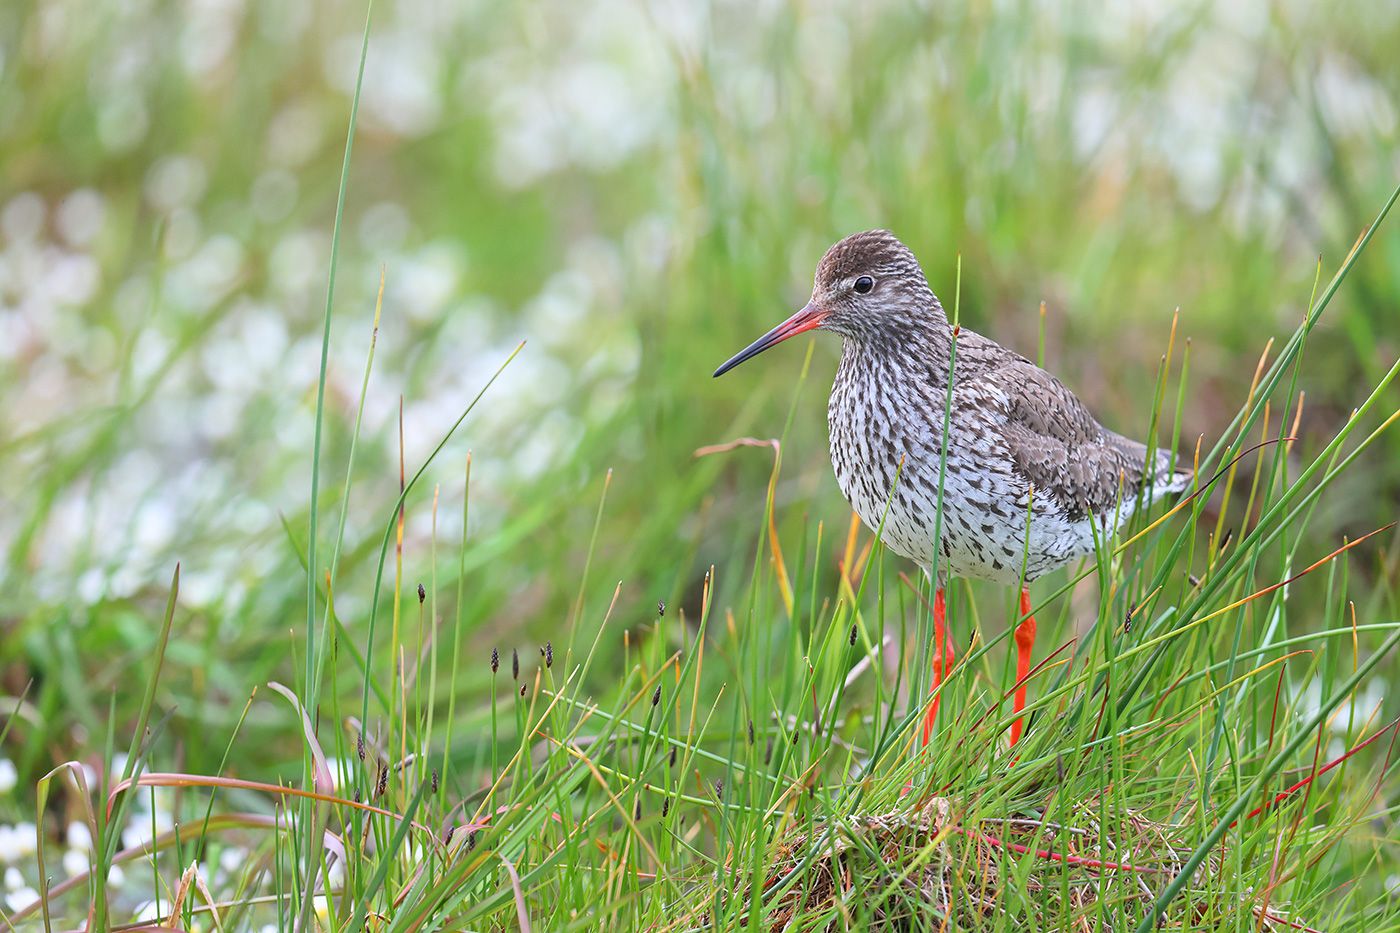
(636, 189)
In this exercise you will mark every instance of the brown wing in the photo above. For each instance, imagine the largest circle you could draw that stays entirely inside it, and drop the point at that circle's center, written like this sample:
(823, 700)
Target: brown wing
(1060, 447)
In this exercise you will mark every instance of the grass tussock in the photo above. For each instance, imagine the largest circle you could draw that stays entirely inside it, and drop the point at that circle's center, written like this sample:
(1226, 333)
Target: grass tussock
(935, 864)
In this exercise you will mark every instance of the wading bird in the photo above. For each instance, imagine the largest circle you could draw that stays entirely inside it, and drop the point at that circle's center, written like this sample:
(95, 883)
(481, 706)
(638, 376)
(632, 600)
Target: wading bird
(1029, 479)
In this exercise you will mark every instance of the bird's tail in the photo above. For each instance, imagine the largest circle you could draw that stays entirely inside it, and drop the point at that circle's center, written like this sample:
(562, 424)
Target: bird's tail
(1171, 476)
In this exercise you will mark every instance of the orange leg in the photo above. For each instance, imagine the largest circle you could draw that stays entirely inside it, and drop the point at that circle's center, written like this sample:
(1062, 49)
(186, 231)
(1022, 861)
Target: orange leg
(1025, 642)
(940, 635)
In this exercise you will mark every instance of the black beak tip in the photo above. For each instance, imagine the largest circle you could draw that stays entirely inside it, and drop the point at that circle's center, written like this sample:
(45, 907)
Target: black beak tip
(725, 367)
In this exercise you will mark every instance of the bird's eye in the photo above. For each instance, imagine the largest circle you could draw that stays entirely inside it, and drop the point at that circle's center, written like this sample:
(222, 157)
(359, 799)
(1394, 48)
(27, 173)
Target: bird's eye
(864, 284)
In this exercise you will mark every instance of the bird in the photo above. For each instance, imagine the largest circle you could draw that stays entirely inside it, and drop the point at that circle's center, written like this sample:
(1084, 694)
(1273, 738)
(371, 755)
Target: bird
(1028, 477)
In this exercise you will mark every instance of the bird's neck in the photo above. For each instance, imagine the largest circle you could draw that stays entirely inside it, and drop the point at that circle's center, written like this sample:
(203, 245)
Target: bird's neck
(919, 350)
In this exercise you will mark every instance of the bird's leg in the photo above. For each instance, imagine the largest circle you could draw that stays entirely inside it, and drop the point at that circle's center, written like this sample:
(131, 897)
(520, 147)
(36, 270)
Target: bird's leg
(1025, 642)
(948, 651)
(940, 634)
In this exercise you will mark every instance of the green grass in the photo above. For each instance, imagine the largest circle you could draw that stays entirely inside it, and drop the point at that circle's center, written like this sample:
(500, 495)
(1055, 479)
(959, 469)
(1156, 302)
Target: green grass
(739, 759)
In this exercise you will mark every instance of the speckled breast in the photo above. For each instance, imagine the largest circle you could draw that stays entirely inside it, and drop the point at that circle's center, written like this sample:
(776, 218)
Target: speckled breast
(991, 527)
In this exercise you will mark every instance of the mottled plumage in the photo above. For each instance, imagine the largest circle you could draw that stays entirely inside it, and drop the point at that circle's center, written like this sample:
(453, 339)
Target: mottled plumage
(1021, 447)
(1029, 477)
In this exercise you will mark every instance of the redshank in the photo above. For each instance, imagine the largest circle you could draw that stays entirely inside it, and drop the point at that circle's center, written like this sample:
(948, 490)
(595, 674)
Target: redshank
(1030, 478)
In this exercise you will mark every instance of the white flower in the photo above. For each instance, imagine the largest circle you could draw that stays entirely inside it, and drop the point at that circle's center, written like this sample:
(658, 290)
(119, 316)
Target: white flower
(80, 217)
(232, 858)
(75, 862)
(9, 777)
(148, 911)
(16, 842)
(21, 898)
(79, 836)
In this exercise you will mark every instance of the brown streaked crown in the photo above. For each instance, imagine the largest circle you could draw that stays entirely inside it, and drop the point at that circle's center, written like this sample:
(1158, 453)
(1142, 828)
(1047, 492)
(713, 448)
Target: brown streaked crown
(873, 252)
(900, 305)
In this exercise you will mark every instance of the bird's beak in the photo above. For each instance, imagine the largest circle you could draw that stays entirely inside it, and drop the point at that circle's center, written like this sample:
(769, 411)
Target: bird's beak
(808, 318)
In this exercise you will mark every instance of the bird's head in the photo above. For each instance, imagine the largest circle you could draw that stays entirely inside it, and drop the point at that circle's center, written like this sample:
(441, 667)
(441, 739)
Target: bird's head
(868, 287)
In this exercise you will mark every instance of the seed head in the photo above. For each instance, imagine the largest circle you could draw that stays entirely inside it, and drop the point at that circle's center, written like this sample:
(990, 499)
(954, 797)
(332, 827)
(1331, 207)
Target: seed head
(548, 654)
(515, 664)
(750, 731)
(673, 756)
(522, 689)
(661, 607)
(495, 660)
(383, 783)
(665, 807)
(422, 594)
(360, 747)
(433, 788)
(656, 696)
(637, 811)
(853, 634)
